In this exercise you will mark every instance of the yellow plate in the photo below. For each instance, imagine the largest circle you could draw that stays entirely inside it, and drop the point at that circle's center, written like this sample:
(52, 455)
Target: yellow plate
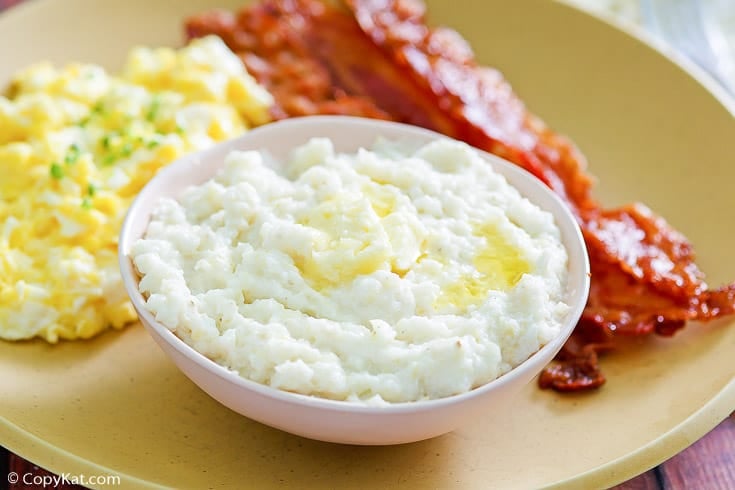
(651, 131)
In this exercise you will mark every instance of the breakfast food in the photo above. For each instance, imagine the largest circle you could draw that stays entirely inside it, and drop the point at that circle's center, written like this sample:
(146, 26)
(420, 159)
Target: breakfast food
(76, 145)
(390, 275)
(380, 59)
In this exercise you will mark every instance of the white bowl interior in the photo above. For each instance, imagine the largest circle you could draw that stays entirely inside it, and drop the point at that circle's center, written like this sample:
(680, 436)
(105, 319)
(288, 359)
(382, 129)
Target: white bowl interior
(346, 422)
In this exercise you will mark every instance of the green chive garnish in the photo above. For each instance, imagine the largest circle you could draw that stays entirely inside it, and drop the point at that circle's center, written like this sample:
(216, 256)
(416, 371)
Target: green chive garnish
(57, 171)
(127, 150)
(153, 109)
(72, 155)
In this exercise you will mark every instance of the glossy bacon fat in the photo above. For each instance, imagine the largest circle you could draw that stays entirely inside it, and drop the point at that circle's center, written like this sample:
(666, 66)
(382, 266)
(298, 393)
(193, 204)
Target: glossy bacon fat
(378, 58)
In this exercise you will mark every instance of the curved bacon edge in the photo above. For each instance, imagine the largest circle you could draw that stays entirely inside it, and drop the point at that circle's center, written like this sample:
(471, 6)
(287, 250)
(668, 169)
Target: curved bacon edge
(378, 58)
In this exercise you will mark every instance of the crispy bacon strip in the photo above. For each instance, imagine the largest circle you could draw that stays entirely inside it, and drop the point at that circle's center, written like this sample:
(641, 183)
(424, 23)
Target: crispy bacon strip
(578, 367)
(620, 305)
(647, 248)
(269, 37)
(429, 77)
(383, 61)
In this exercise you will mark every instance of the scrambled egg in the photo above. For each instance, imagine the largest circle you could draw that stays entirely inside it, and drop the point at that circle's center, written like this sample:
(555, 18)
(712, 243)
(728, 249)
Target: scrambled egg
(76, 145)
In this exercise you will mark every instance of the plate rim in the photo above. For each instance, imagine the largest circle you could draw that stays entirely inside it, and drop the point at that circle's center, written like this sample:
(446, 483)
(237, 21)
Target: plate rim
(58, 460)
(664, 447)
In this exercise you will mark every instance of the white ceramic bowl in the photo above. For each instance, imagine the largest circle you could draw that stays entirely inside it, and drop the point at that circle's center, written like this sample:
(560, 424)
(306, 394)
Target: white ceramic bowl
(330, 420)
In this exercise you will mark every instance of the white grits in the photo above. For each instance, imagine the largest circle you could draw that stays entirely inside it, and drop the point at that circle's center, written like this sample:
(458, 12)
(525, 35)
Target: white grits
(371, 277)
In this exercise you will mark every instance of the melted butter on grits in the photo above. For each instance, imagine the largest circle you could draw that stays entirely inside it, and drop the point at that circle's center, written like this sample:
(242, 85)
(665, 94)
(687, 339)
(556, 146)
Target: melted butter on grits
(498, 266)
(349, 242)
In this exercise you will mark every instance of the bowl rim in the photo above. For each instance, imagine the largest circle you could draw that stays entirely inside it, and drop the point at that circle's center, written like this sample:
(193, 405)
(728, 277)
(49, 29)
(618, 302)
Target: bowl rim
(204, 157)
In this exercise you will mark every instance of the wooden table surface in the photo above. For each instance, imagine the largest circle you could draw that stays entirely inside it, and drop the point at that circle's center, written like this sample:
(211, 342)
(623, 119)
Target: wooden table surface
(708, 464)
